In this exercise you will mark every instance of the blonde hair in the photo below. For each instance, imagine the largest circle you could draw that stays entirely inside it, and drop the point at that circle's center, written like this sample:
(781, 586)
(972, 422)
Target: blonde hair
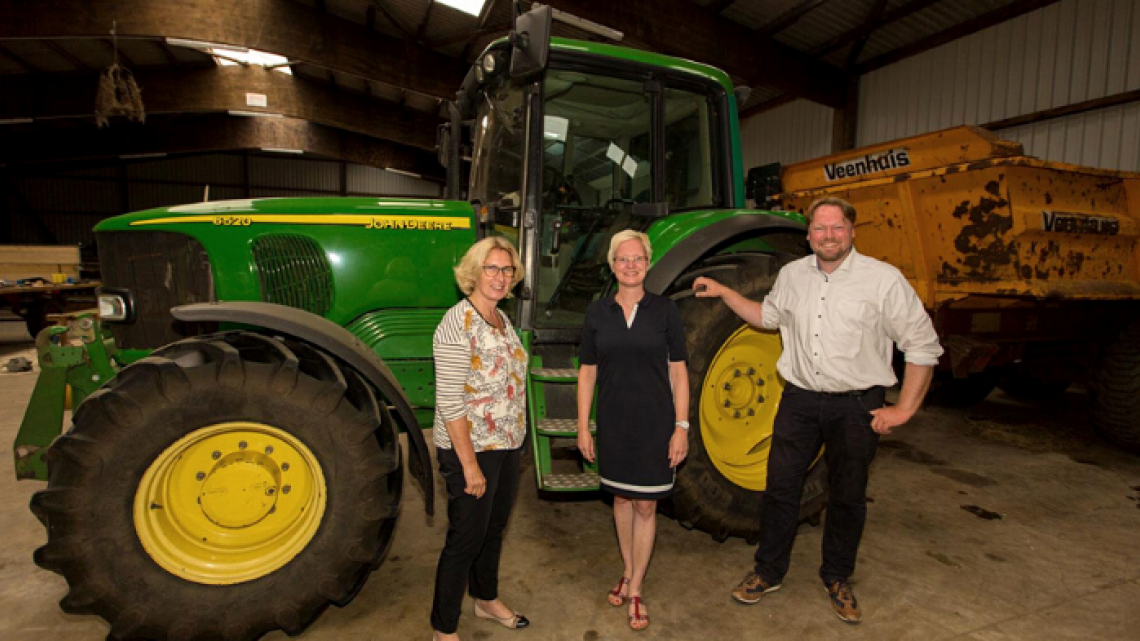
(629, 234)
(471, 265)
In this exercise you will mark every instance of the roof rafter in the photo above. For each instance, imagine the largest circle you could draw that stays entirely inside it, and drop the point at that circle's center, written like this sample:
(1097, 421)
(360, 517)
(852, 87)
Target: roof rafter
(220, 89)
(284, 27)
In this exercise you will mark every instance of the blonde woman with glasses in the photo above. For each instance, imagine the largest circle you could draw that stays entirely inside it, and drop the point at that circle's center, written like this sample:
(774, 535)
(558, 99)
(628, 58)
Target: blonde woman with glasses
(633, 350)
(480, 373)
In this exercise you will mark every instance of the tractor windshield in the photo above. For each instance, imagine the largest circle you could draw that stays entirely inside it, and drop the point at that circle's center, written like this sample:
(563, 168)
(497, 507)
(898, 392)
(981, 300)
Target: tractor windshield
(500, 135)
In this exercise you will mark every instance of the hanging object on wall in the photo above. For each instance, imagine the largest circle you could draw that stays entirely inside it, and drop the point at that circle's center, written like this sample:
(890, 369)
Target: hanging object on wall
(118, 94)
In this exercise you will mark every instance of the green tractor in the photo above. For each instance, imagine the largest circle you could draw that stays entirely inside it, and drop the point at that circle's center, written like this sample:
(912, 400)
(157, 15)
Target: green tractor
(239, 400)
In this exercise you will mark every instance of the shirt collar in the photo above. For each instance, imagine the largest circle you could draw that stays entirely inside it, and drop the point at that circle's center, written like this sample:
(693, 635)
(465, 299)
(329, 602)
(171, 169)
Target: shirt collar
(611, 301)
(845, 268)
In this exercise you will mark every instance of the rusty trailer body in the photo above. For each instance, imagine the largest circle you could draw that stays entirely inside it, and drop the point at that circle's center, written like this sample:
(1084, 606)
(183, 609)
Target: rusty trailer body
(1029, 268)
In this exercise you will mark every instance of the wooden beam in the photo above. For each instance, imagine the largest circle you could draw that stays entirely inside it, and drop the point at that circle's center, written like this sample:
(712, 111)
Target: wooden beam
(209, 133)
(895, 15)
(18, 60)
(872, 21)
(1114, 100)
(379, 4)
(284, 27)
(221, 89)
(789, 17)
(117, 53)
(66, 55)
(997, 16)
(683, 28)
(718, 6)
(167, 53)
(425, 21)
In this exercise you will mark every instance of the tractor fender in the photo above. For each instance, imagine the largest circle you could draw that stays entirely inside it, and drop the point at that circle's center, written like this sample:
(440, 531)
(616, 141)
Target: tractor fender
(337, 341)
(680, 256)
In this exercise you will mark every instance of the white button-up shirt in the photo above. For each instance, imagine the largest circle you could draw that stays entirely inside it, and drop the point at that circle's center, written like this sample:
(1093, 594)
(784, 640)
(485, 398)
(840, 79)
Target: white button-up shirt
(839, 329)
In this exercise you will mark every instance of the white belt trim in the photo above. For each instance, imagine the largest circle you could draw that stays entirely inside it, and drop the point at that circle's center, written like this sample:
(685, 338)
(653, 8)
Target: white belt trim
(638, 488)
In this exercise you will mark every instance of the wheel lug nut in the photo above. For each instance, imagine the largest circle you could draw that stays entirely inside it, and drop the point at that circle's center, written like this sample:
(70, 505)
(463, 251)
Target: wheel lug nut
(735, 373)
(752, 412)
(242, 445)
(728, 387)
(268, 449)
(285, 490)
(751, 371)
(736, 414)
(200, 475)
(284, 467)
(216, 455)
(271, 491)
(728, 404)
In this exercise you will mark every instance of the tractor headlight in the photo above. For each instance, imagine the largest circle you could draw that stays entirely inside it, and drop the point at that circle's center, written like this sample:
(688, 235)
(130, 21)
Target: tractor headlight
(115, 305)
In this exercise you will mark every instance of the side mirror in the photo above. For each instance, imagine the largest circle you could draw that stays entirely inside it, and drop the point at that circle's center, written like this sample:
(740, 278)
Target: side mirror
(530, 42)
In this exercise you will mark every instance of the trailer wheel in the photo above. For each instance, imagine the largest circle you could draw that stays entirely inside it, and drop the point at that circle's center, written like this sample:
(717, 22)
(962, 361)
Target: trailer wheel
(226, 486)
(734, 393)
(1114, 391)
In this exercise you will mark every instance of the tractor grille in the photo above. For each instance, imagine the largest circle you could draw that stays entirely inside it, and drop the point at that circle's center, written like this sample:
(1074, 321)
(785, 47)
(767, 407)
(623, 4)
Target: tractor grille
(293, 271)
(162, 270)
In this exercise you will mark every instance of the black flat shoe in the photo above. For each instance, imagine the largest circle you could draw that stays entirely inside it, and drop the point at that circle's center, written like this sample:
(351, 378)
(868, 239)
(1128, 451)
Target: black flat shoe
(514, 622)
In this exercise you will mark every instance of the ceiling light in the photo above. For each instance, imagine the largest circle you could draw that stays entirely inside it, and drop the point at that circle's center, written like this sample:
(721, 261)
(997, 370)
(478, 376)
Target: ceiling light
(471, 7)
(251, 57)
(258, 114)
(279, 150)
(401, 172)
(14, 121)
(202, 45)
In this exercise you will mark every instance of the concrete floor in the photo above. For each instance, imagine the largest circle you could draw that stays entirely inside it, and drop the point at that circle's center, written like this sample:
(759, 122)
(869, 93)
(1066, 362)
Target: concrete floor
(1061, 562)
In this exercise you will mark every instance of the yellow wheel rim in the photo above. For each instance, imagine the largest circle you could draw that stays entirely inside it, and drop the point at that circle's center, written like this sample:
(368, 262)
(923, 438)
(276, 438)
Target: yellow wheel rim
(229, 503)
(739, 398)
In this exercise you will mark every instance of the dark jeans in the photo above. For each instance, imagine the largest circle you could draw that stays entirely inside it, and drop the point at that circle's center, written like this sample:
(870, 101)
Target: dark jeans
(805, 421)
(470, 556)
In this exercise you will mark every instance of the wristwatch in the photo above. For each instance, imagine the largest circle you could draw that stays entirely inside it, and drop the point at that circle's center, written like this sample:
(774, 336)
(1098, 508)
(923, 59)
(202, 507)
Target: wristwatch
(682, 424)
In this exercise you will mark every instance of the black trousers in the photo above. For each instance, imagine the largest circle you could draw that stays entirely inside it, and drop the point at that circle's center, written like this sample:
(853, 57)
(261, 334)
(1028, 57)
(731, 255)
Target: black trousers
(470, 556)
(805, 421)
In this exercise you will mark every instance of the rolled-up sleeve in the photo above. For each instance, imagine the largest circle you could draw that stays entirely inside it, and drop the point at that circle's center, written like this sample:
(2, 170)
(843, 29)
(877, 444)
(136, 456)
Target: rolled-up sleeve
(452, 356)
(770, 308)
(908, 324)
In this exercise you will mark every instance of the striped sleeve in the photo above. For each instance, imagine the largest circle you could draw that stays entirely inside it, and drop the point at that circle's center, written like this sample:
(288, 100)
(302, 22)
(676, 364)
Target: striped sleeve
(452, 354)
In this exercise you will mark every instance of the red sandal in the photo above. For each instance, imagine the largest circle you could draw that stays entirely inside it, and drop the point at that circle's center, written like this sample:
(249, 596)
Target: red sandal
(615, 597)
(639, 620)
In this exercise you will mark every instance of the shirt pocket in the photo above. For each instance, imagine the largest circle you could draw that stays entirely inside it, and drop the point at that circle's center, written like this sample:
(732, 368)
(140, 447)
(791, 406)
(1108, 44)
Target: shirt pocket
(851, 320)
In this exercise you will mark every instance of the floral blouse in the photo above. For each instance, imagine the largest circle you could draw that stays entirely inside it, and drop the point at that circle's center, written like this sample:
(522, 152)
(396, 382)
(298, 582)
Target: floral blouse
(480, 374)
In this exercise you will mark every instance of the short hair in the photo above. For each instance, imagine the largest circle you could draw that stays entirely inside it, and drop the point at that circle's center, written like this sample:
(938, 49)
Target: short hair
(469, 267)
(847, 208)
(629, 234)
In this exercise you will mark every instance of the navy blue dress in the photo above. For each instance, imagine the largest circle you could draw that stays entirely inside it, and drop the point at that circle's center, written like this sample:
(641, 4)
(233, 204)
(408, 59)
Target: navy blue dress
(635, 415)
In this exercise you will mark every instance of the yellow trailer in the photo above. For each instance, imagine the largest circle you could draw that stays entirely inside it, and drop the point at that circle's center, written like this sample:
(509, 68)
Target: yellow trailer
(1029, 268)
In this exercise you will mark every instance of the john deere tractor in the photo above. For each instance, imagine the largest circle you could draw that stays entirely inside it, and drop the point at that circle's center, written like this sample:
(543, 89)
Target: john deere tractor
(240, 398)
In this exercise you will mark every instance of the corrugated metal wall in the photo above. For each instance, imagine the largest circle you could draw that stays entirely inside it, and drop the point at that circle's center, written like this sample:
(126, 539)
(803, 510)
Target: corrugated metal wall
(796, 131)
(1069, 52)
(68, 204)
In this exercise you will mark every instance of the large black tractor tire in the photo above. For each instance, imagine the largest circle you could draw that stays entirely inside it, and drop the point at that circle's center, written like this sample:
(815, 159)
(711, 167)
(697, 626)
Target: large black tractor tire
(704, 499)
(327, 421)
(1114, 390)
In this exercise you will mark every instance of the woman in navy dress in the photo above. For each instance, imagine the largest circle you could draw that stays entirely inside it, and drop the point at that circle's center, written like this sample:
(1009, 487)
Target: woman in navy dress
(633, 349)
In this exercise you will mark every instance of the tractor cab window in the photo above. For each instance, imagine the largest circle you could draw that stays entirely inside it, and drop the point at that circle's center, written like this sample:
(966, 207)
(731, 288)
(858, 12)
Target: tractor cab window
(597, 134)
(497, 154)
(689, 152)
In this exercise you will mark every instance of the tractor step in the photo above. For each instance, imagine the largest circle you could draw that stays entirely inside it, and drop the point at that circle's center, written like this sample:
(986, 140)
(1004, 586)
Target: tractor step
(554, 374)
(573, 474)
(562, 427)
(583, 482)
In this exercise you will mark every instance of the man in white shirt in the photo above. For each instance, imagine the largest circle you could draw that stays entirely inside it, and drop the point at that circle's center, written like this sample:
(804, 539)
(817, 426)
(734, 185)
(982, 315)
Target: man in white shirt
(839, 314)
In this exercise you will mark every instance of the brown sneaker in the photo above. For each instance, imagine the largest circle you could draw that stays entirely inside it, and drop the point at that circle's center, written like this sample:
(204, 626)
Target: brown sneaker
(843, 600)
(752, 588)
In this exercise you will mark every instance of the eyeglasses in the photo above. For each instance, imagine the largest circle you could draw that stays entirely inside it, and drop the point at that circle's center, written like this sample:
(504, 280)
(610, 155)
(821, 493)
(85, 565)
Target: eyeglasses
(492, 271)
(630, 260)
